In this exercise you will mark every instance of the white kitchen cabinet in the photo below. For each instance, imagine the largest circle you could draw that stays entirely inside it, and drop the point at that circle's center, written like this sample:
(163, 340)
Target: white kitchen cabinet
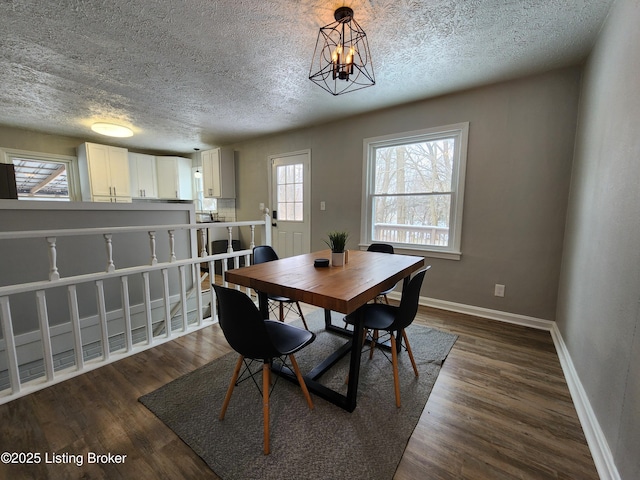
(174, 178)
(218, 173)
(144, 178)
(104, 173)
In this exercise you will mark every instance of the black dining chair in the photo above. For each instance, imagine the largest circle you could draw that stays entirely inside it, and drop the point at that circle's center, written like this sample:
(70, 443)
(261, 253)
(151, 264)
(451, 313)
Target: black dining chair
(257, 339)
(394, 320)
(265, 253)
(382, 248)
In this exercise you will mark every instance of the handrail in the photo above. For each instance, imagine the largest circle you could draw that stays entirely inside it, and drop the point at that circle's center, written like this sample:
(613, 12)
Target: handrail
(67, 232)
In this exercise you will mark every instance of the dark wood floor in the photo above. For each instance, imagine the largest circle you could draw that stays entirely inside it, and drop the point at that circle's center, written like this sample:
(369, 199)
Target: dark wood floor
(499, 409)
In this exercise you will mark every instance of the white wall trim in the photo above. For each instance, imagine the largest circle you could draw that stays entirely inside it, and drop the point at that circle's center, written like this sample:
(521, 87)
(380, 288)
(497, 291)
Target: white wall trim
(596, 440)
(525, 321)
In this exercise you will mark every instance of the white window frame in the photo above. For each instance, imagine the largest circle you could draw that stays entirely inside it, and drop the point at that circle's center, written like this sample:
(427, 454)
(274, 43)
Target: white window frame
(71, 166)
(460, 133)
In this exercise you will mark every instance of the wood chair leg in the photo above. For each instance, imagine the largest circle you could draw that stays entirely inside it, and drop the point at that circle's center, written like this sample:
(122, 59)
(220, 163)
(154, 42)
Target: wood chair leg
(413, 362)
(386, 300)
(281, 311)
(232, 385)
(304, 322)
(374, 339)
(394, 361)
(303, 385)
(266, 369)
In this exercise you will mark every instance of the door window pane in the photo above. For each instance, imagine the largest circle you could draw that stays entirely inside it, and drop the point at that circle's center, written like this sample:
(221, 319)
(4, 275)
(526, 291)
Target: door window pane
(290, 192)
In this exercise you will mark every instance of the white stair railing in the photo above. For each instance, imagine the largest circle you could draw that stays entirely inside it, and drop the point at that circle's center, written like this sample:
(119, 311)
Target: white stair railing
(104, 327)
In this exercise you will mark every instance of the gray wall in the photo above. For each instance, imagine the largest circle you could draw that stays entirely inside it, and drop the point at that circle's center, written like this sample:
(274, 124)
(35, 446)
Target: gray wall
(599, 297)
(521, 139)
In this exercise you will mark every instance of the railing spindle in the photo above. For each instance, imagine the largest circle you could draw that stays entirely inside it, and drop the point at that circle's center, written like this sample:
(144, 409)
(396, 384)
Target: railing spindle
(230, 242)
(53, 255)
(252, 244)
(43, 317)
(126, 310)
(110, 266)
(146, 294)
(172, 246)
(214, 309)
(183, 296)
(74, 312)
(225, 268)
(10, 344)
(152, 244)
(196, 278)
(203, 242)
(167, 302)
(102, 317)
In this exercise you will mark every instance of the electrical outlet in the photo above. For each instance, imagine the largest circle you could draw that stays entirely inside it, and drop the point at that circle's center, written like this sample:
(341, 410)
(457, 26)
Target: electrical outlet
(499, 290)
(323, 206)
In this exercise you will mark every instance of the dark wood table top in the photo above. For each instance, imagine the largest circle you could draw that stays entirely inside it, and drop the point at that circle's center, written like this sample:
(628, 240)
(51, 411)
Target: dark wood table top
(342, 289)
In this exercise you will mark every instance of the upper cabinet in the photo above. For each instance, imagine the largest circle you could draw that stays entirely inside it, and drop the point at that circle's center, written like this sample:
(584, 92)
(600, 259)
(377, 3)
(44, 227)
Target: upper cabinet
(218, 173)
(174, 178)
(104, 173)
(144, 179)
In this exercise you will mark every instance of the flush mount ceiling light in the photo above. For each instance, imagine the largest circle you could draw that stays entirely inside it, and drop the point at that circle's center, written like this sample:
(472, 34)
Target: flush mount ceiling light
(342, 61)
(111, 130)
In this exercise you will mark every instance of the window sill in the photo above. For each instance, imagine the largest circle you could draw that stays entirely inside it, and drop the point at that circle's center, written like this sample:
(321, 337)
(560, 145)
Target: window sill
(419, 252)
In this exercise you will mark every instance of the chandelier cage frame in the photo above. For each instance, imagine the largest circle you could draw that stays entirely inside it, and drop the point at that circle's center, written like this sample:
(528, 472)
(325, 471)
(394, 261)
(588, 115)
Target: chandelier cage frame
(342, 60)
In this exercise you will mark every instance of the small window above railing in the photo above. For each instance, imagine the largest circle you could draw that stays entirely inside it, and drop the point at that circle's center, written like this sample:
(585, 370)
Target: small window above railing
(42, 176)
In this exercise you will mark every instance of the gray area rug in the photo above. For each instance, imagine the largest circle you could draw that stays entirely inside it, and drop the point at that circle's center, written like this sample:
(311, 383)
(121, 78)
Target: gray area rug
(324, 443)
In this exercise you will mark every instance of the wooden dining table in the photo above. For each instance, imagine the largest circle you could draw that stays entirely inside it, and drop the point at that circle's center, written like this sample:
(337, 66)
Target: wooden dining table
(342, 289)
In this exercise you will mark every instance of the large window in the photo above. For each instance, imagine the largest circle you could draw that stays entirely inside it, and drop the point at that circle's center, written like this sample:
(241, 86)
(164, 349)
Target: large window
(414, 189)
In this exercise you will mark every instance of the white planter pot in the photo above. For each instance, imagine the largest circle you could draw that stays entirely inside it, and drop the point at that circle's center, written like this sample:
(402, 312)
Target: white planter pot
(337, 259)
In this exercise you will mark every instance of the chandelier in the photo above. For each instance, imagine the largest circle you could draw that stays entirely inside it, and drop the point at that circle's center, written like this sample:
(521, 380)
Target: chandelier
(342, 61)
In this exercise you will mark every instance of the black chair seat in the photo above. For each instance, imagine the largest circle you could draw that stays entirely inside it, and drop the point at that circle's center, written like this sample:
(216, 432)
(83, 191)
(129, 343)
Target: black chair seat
(278, 298)
(287, 339)
(377, 316)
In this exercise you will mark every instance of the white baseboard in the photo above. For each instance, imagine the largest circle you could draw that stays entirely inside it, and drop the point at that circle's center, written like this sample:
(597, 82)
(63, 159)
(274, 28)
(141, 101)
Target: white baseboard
(596, 440)
(507, 317)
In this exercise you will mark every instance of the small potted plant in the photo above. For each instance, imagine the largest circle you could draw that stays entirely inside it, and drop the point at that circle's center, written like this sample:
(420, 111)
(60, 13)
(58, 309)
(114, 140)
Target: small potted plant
(337, 243)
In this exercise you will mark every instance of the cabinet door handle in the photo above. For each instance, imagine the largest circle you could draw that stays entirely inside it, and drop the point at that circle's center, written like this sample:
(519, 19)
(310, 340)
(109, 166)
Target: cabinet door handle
(109, 190)
(176, 194)
(114, 191)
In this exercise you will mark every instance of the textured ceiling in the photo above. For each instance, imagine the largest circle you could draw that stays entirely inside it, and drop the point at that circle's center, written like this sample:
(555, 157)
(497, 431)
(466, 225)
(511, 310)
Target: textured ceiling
(201, 73)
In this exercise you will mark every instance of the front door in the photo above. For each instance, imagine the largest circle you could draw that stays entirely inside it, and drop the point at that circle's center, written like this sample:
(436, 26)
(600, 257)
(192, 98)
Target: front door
(290, 203)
